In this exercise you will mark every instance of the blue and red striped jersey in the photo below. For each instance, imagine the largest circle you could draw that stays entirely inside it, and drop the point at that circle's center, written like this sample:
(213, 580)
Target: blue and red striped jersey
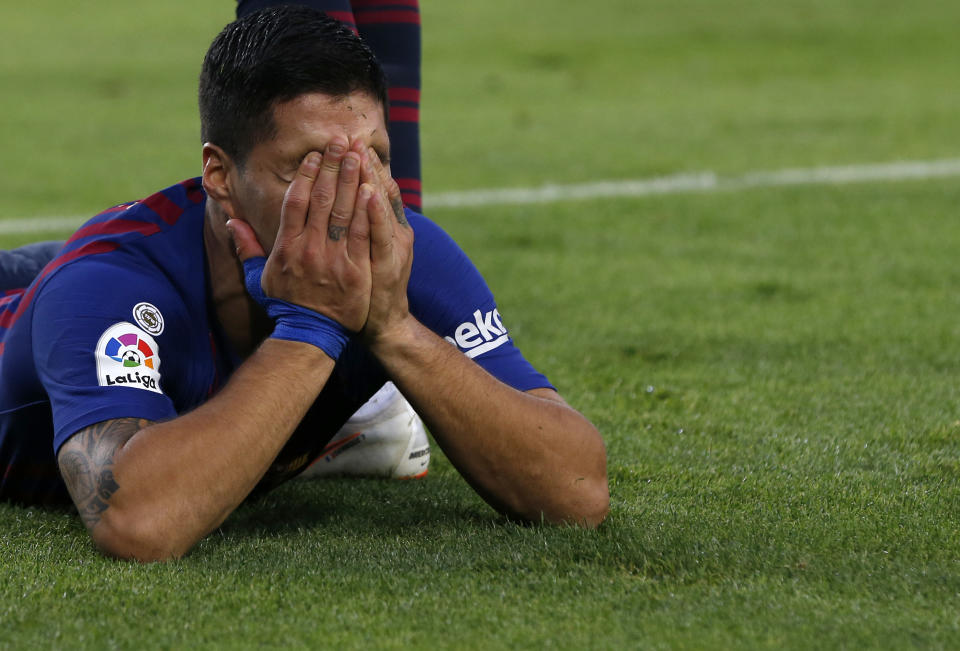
(121, 324)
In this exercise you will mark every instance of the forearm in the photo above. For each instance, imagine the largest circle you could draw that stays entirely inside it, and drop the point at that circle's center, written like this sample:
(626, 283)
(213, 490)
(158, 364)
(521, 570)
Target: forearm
(178, 480)
(528, 456)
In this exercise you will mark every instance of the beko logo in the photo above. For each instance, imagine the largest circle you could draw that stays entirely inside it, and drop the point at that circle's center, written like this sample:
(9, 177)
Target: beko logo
(483, 334)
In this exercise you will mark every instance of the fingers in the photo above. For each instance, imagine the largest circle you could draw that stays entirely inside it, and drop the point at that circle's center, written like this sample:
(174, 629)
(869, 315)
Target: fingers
(358, 243)
(346, 198)
(325, 189)
(381, 220)
(326, 210)
(296, 201)
(244, 239)
(389, 185)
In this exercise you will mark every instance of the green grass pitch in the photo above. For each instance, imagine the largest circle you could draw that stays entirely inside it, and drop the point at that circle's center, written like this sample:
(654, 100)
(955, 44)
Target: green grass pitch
(774, 370)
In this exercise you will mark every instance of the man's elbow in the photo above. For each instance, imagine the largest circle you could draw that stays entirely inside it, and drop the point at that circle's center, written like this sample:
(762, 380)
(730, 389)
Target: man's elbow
(592, 491)
(131, 536)
(599, 506)
(586, 501)
(591, 507)
(585, 504)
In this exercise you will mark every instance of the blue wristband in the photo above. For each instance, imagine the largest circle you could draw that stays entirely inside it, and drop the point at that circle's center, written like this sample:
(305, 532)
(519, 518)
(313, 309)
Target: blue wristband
(293, 322)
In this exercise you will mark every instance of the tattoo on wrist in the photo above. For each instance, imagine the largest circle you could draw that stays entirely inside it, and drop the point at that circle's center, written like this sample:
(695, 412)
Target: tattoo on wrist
(86, 464)
(335, 232)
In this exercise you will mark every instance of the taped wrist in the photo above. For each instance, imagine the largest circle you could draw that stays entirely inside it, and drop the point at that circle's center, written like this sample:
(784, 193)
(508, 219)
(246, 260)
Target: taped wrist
(293, 322)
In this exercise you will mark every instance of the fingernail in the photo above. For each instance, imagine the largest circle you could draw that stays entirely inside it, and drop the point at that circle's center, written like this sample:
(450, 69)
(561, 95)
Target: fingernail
(350, 163)
(313, 160)
(365, 192)
(230, 227)
(336, 147)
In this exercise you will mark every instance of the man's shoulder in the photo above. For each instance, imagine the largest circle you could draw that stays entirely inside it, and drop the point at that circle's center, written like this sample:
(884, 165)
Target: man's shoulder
(149, 251)
(433, 249)
(160, 236)
(164, 211)
(426, 230)
(445, 289)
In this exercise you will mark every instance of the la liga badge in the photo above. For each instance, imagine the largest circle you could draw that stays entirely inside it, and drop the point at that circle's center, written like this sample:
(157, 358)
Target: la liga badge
(128, 357)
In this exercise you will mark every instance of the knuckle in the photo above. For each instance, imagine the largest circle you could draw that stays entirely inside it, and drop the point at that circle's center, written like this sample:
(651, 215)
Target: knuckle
(332, 160)
(311, 255)
(324, 195)
(294, 202)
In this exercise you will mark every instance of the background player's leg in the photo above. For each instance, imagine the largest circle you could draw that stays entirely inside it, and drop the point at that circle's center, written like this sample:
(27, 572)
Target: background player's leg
(392, 29)
(18, 267)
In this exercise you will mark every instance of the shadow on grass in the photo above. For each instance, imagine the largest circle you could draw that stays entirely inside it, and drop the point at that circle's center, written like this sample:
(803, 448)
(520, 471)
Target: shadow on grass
(386, 506)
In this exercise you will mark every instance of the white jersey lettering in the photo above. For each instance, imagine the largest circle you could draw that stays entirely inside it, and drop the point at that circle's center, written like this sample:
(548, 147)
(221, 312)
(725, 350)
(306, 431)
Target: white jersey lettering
(481, 335)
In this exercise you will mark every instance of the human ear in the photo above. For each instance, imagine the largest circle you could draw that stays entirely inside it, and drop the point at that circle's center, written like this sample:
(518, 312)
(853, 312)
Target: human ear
(217, 166)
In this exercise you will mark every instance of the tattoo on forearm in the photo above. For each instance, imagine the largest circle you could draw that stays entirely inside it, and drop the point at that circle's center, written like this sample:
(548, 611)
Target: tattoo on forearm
(335, 232)
(86, 464)
(398, 210)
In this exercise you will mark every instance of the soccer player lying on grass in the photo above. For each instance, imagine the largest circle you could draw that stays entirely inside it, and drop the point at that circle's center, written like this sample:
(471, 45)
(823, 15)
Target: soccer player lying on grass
(188, 350)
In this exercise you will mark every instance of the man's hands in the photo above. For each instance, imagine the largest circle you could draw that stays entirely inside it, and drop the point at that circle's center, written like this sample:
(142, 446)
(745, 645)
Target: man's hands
(343, 247)
(391, 255)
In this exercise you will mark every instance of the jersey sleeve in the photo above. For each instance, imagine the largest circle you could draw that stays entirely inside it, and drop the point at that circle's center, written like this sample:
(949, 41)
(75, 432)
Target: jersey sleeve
(96, 361)
(448, 295)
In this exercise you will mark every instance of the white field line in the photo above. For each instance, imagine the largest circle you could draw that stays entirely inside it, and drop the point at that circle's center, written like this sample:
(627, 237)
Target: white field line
(29, 225)
(673, 184)
(699, 182)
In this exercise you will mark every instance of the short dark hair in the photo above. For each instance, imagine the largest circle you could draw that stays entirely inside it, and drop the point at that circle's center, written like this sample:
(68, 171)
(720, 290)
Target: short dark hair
(275, 55)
